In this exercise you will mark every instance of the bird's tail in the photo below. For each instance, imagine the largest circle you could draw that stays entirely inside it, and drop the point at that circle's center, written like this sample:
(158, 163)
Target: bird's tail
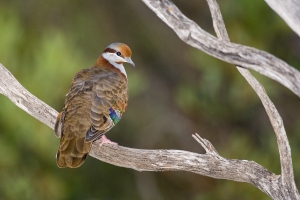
(63, 161)
(72, 153)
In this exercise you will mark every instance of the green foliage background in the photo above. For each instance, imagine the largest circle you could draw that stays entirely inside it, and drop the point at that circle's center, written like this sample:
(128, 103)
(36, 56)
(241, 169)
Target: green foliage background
(175, 91)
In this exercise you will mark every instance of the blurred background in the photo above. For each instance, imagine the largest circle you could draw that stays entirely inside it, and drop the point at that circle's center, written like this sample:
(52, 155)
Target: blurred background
(175, 91)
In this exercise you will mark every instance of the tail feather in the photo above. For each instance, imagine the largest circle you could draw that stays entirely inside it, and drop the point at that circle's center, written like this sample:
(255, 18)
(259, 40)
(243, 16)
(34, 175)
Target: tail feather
(72, 153)
(69, 160)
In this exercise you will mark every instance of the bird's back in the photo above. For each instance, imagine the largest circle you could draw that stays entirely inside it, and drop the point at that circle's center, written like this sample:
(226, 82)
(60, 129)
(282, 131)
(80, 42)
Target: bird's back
(92, 89)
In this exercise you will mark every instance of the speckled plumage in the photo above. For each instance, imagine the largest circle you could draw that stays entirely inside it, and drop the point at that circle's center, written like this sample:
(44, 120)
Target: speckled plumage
(87, 114)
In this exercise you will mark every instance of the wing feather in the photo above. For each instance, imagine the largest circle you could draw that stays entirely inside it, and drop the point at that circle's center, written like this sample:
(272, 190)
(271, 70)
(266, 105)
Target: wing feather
(86, 115)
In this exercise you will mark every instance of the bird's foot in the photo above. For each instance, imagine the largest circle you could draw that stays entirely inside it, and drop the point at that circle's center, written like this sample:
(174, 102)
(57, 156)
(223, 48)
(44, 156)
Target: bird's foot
(104, 140)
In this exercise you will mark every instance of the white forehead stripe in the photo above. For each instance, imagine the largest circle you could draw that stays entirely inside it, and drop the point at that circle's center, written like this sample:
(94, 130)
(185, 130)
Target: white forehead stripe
(112, 58)
(114, 45)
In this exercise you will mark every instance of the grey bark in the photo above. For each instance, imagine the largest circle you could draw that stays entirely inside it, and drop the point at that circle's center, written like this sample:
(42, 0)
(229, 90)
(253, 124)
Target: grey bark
(211, 163)
(287, 176)
(237, 54)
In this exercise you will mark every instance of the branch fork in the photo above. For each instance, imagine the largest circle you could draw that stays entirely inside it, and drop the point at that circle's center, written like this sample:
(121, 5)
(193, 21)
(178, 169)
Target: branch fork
(211, 163)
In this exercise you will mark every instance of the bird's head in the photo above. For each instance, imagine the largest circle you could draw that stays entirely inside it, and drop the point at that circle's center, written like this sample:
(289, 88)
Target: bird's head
(117, 54)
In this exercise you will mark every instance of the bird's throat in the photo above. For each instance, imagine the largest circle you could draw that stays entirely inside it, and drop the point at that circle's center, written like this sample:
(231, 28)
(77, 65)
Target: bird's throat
(103, 62)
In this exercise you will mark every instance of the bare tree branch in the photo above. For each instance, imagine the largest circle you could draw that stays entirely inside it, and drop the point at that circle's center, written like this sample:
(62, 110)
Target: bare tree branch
(274, 116)
(169, 13)
(289, 10)
(260, 61)
(11, 88)
(218, 21)
(287, 172)
(210, 164)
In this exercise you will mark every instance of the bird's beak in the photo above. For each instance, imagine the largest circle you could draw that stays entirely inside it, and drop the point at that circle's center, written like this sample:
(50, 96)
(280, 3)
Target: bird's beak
(128, 60)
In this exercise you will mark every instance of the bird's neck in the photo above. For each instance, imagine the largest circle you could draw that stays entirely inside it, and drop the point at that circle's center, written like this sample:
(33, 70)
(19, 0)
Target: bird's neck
(117, 67)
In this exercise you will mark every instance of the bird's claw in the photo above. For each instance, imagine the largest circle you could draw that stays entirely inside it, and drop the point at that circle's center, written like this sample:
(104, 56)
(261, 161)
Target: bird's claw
(104, 140)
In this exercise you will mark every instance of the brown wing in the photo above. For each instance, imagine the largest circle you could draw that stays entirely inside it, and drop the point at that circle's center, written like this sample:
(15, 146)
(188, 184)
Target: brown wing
(74, 121)
(78, 115)
(111, 96)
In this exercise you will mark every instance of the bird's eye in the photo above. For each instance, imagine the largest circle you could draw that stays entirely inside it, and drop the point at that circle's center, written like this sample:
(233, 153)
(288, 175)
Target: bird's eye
(119, 53)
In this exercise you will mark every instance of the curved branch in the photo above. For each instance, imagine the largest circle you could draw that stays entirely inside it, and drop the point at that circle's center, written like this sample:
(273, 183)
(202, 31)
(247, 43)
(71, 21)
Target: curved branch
(287, 171)
(169, 13)
(260, 61)
(209, 164)
(11, 88)
(274, 116)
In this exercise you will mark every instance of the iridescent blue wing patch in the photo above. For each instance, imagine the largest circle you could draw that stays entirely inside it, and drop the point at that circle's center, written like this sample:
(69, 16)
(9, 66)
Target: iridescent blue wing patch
(115, 115)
